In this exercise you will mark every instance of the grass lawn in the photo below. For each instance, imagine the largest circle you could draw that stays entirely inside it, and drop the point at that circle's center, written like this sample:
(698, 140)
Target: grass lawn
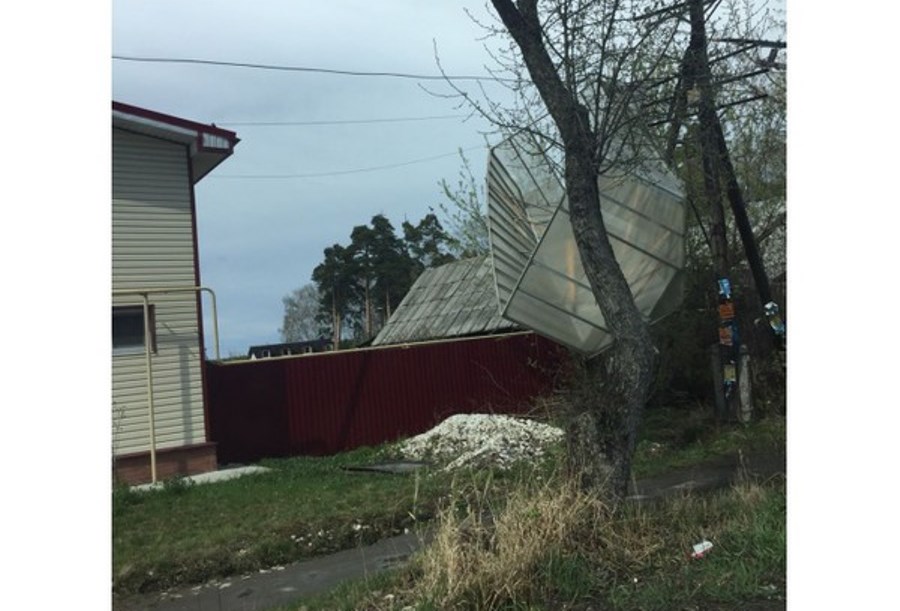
(310, 506)
(549, 547)
(673, 438)
(555, 549)
(303, 507)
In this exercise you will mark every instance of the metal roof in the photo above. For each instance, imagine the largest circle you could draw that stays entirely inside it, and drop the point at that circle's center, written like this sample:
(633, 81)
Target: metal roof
(208, 145)
(453, 300)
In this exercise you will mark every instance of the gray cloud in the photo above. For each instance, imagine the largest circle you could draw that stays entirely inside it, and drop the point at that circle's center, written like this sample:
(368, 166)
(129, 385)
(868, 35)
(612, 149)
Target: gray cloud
(261, 238)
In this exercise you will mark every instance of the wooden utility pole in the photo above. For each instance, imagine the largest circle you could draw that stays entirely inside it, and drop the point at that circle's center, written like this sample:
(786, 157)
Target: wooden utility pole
(714, 145)
(698, 72)
(699, 77)
(694, 95)
(736, 198)
(695, 85)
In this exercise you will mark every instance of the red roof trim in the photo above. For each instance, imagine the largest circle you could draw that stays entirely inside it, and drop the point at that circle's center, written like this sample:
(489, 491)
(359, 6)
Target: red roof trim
(177, 121)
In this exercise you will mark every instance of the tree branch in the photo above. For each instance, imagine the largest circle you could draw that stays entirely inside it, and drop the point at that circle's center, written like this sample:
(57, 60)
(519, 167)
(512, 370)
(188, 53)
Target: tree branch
(772, 44)
(524, 26)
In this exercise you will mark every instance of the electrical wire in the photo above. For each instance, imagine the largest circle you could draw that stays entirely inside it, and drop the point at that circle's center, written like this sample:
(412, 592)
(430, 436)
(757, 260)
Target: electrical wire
(337, 121)
(403, 75)
(341, 172)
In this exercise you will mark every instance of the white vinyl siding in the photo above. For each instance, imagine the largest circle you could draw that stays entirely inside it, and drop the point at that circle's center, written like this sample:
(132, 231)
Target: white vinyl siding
(152, 246)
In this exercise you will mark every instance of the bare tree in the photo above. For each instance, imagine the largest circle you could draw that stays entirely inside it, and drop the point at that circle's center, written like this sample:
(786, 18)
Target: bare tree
(464, 213)
(588, 78)
(590, 65)
(300, 310)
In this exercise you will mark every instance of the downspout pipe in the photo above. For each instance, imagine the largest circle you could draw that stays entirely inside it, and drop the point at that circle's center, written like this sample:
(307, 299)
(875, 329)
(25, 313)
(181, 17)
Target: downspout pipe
(148, 349)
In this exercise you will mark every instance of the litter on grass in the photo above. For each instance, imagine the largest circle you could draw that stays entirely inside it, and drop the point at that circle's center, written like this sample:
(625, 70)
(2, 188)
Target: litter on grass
(700, 549)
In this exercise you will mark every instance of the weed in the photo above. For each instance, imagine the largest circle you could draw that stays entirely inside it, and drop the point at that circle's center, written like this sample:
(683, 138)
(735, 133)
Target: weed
(123, 497)
(571, 577)
(552, 546)
(487, 557)
(177, 485)
(671, 439)
(747, 527)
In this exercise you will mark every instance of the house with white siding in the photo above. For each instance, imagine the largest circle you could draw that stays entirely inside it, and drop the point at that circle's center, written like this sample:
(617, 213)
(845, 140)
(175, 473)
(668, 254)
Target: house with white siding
(159, 419)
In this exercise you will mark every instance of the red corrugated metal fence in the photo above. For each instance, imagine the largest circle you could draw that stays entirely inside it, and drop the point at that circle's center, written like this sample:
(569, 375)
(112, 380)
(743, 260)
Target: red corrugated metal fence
(326, 403)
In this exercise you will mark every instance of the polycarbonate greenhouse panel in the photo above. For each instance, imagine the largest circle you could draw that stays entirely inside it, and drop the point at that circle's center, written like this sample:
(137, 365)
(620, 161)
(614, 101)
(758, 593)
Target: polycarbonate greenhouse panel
(540, 281)
(516, 219)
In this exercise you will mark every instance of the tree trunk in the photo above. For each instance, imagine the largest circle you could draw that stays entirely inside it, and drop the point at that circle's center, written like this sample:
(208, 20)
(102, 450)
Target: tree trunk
(608, 404)
(609, 401)
(368, 315)
(336, 322)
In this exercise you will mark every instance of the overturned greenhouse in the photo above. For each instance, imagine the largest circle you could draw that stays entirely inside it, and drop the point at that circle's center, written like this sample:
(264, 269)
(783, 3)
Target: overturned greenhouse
(539, 278)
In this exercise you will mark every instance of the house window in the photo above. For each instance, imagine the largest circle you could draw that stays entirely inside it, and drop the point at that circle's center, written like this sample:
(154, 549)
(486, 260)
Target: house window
(128, 329)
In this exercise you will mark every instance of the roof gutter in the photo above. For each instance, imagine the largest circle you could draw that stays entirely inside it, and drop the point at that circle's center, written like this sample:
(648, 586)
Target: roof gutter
(200, 137)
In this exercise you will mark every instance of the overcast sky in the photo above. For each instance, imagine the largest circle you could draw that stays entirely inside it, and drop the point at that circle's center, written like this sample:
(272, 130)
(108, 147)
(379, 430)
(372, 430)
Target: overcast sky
(56, 104)
(260, 237)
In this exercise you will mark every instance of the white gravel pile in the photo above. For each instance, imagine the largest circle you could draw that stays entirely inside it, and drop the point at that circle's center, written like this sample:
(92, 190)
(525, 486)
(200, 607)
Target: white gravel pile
(481, 440)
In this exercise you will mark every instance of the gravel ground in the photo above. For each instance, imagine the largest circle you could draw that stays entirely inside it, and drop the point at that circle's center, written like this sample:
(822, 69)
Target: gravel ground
(479, 440)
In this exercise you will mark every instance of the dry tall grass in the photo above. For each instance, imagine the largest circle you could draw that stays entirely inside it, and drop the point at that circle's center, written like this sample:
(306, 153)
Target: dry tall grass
(484, 557)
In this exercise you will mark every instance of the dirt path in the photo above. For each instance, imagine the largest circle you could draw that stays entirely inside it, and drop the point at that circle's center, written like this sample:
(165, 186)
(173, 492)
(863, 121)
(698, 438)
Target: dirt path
(716, 473)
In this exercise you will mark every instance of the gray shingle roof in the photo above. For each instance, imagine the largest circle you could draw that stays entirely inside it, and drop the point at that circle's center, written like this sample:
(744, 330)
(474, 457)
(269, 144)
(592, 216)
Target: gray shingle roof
(453, 300)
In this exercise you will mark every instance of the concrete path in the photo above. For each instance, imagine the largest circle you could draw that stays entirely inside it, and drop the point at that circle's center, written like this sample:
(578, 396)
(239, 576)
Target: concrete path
(207, 478)
(283, 585)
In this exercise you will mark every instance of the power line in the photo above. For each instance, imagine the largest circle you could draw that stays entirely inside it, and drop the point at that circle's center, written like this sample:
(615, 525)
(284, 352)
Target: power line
(338, 121)
(280, 67)
(341, 172)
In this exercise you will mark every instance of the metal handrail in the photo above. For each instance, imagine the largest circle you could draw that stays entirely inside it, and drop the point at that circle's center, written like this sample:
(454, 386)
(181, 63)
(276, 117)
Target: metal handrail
(144, 293)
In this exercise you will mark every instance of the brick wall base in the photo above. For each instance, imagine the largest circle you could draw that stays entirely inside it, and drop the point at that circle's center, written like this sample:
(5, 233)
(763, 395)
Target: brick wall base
(170, 462)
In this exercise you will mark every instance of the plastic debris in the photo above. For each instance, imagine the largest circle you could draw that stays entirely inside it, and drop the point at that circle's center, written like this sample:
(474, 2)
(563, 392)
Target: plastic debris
(700, 549)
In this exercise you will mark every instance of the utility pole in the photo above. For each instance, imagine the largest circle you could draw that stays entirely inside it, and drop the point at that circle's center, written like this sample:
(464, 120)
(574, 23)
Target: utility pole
(726, 355)
(695, 86)
(699, 76)
(694, 95)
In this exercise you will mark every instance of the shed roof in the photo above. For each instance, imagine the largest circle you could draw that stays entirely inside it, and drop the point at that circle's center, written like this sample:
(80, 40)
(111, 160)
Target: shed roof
(453, 300)
(208, 145)
(284, 348)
